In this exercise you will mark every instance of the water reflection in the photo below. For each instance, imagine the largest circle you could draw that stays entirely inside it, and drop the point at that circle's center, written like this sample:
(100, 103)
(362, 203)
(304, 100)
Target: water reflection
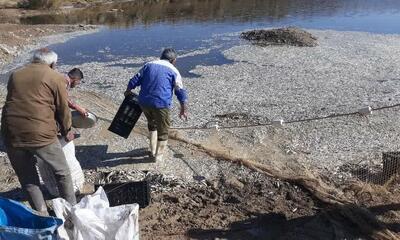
(142, 28)
(146, 12)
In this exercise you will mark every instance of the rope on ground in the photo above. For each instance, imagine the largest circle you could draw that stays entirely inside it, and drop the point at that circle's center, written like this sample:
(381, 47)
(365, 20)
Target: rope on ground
(217, 126)
(104, 119)
(337, 115)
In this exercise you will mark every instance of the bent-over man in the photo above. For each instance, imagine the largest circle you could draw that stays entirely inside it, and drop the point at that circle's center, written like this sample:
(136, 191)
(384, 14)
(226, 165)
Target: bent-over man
(35, 106)
(72, 79)
(158, 80)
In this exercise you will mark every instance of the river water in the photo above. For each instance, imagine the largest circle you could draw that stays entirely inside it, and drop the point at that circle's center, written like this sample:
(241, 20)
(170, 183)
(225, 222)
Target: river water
(207, 27)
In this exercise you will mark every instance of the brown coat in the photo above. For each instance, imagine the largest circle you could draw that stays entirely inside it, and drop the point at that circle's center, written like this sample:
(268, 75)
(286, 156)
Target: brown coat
(36, 102)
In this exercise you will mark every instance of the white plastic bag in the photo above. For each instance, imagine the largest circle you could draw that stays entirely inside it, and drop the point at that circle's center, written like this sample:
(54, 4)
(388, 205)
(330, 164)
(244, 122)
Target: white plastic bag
(93, 219)
(47, 174)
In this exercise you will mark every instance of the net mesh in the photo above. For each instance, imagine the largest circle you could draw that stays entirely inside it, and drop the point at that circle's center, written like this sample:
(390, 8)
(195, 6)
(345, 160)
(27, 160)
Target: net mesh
(365, 193)
(349, 164)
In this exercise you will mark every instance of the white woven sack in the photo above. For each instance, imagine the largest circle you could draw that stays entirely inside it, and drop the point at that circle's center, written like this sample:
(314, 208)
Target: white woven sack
(93, 219)
(47, 175)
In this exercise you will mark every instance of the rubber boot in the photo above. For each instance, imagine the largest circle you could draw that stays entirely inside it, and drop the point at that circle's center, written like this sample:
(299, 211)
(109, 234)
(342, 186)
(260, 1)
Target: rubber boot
(153, 143)
(161, 146)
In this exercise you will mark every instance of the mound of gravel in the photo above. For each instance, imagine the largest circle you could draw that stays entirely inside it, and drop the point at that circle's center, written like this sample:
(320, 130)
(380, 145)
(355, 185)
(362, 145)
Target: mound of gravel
(281, 36)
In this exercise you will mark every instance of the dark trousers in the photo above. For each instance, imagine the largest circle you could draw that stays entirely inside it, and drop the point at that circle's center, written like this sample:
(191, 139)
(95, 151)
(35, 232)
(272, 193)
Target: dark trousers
(23, 160)
(158, 120)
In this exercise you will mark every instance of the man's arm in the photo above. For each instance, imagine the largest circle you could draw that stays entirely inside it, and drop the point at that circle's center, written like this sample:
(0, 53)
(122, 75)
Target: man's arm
(183, 114)
(81, 110)
(71, 104)
(135, 81)
(63, 114)
(181, 94)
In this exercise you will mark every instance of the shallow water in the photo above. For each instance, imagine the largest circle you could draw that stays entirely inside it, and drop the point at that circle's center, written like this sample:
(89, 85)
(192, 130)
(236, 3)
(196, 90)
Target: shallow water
(143, 28)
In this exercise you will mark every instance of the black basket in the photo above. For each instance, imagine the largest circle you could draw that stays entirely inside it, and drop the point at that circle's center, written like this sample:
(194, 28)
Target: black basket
(128, 114)
(127, 193)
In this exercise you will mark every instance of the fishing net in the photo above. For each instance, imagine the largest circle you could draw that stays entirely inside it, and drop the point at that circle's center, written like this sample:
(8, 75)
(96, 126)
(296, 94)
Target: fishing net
(348, 164)
(356, 190)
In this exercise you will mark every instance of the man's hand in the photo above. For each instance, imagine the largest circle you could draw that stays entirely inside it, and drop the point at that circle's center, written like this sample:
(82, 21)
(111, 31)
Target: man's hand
(82, 111)
(183, 113)
(70, 136)
(127, 92)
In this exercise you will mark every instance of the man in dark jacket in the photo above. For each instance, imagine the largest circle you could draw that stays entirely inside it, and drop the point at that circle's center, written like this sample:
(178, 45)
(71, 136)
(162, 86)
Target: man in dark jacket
(36, 109)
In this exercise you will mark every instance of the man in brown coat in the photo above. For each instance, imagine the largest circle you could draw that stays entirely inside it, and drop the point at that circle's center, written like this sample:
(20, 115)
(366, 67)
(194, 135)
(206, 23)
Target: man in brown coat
(36, 109)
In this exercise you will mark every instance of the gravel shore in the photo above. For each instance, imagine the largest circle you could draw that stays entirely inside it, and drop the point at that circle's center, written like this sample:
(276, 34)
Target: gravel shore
(345, 72)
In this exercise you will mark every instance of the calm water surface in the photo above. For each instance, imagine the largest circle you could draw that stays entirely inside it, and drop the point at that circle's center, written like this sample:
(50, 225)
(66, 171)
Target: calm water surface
(143, 28)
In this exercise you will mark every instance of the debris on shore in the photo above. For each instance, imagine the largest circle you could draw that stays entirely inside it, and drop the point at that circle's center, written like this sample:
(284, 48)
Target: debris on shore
(281, 36)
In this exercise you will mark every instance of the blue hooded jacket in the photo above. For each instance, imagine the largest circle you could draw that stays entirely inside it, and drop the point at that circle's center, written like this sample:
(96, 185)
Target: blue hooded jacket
(157, 80)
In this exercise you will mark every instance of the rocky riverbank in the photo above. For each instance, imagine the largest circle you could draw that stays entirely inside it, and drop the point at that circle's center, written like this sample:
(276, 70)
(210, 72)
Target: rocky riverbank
(18, 40)
(347, 71)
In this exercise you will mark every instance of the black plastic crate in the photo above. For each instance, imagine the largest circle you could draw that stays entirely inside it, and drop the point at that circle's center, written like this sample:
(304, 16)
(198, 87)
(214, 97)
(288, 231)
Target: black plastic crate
(128, 114)
(127, 193)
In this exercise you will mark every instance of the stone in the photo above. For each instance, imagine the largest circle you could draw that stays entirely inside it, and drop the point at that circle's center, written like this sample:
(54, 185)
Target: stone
(5, 49)
(234, 182)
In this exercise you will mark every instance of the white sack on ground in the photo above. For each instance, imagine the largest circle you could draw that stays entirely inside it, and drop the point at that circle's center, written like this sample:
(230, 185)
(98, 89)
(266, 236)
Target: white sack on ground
(47, 175)
(93, 219)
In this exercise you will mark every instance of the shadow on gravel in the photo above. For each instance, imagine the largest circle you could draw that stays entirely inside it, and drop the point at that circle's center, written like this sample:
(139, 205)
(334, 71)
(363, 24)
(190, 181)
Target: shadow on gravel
(332, 224)
(94, 156)
(18, 194)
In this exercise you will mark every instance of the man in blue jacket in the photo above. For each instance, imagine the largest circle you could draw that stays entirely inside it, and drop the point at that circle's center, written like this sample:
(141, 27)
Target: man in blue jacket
(158, 80)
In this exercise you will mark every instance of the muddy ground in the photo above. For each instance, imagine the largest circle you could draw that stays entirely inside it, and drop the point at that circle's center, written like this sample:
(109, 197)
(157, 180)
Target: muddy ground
(242, 208)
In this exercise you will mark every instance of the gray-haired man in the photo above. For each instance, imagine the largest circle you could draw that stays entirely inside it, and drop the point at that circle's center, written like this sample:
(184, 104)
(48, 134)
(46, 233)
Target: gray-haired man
(158, 80)
(36, 102)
